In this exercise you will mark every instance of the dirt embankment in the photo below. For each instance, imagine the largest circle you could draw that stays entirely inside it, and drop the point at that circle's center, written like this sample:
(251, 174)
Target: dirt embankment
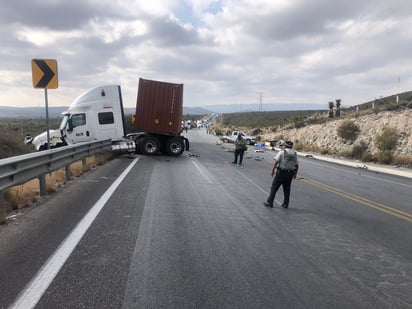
(325, 135)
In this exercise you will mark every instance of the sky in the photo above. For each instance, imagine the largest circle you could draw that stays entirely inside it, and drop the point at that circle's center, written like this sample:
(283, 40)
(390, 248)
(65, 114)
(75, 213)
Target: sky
(223, 51)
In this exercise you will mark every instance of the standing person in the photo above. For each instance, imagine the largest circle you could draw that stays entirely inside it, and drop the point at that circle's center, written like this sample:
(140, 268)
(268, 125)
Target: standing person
(240, 147)
(286, 165)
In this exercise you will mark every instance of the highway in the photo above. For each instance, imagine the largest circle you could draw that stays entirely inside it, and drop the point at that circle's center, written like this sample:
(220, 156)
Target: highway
(192, 232)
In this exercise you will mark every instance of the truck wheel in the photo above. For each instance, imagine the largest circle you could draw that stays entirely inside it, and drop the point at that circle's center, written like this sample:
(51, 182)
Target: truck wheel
(187, 144)
(150, 145)
(174, 146)
(248, 142)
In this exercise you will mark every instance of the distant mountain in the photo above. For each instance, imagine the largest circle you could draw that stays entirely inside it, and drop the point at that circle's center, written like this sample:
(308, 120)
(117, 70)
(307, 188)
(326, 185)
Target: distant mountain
(196, 111)
(30, 112)
(239, 108)
(55, 112)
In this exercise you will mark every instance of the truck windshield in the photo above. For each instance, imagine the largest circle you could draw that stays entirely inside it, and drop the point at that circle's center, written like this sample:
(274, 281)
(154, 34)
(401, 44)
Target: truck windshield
(63, 124)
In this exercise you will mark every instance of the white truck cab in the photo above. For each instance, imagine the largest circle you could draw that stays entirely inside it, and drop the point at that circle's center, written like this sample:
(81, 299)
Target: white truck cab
(97, 114)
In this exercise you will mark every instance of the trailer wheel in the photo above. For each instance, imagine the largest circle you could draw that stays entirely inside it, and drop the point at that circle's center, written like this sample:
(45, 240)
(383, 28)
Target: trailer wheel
(175, 146)
(150, 145)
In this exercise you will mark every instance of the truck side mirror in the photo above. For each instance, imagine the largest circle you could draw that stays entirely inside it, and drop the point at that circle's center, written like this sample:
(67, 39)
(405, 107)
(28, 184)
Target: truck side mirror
(70, 125)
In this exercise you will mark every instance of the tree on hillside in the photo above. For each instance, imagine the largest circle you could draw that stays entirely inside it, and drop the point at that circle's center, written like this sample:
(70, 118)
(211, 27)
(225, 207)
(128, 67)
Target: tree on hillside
(337, 108)
(331, 105)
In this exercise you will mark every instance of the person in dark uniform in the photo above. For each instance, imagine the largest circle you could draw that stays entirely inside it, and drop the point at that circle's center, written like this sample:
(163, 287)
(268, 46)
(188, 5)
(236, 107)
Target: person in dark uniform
(286, 166)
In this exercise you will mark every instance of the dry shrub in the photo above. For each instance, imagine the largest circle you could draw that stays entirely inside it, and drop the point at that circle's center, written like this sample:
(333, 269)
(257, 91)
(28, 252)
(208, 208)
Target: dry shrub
(348, 130)
(405, 160)
(387, 140)
(311, 148)
(55, 180)
(77, 168)
(21, 196)
(385, 157)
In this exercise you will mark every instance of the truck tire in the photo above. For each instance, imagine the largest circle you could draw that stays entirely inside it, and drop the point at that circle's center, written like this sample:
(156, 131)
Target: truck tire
(175, 146)
(187, 144)
(150, 145)
(248, 141)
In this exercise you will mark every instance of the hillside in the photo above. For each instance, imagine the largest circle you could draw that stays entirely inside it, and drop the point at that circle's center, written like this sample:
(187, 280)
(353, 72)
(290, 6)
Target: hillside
(325, 136)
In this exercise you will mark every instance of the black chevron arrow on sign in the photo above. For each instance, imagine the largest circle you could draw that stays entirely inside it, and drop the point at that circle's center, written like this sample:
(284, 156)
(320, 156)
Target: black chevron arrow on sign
(48, 73)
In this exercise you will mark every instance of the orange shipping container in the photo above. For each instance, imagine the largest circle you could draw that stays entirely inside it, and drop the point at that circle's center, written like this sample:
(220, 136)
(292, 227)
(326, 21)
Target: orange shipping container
(159, 107)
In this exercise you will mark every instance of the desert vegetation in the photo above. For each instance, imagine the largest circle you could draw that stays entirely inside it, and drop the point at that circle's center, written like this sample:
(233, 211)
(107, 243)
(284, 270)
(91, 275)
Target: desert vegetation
(13, 131)
(279, 125)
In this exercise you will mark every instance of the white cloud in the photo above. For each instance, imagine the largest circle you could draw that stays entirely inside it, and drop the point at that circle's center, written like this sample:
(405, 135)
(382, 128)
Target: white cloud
(224, 51)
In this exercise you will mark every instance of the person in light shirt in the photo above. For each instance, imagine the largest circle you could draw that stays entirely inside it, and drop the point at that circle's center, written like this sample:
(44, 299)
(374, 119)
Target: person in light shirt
(286, 166)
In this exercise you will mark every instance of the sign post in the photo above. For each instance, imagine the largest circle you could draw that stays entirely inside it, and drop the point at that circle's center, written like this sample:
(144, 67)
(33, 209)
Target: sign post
(44, 75)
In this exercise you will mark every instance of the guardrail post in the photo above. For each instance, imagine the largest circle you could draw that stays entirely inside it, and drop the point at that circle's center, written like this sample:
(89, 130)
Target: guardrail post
(42, 181)
(98, 158)
(84, 164)
(2, 210)
(68, 172)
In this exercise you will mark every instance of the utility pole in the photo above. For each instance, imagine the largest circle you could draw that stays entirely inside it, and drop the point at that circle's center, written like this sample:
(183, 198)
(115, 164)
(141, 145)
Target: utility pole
(260, 95)
(397, 96)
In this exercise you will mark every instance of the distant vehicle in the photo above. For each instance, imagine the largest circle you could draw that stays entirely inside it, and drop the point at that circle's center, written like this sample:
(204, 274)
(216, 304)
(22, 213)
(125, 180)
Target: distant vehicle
(250, 140)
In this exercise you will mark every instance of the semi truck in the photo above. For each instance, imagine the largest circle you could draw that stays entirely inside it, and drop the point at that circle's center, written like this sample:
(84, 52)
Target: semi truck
(98, 114)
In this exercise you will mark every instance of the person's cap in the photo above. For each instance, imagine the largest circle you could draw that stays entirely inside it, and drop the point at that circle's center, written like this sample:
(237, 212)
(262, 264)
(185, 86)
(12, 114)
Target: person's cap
(289, 144)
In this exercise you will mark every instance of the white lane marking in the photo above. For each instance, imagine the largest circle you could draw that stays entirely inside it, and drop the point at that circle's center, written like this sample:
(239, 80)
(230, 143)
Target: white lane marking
(30, 296)
(257, 186)
(252, 182)
(203, 173)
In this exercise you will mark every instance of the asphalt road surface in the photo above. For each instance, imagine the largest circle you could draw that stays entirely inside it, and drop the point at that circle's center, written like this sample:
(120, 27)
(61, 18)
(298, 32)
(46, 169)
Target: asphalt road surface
(191, 232)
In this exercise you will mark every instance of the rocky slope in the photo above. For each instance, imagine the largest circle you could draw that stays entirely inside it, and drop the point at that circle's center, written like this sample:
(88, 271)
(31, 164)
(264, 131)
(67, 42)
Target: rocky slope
(325, 135)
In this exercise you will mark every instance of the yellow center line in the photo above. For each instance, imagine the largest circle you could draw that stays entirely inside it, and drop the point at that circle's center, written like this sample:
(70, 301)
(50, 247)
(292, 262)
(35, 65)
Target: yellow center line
(386, 209)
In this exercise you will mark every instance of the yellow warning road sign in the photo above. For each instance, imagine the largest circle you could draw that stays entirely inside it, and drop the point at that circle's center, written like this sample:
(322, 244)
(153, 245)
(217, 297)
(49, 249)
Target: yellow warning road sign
(44, 73)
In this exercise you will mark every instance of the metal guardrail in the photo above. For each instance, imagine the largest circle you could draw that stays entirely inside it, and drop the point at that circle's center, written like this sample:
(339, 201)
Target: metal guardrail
(21, 169)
